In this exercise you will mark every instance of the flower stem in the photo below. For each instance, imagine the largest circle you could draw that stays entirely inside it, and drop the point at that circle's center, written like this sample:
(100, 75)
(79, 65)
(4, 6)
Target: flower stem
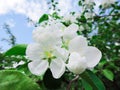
(70, 83)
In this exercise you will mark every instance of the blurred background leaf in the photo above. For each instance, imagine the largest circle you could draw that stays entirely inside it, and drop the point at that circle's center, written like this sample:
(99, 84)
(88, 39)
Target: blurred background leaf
(14, 80)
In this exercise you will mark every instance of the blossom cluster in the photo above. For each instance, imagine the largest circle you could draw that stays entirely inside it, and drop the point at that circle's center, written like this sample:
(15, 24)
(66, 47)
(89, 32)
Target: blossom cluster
(58, 47)
(104, 3)
(107, 3)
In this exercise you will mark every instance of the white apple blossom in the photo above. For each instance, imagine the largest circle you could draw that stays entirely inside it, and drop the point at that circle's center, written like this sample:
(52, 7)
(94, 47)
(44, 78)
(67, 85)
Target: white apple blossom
(52, 31)
(89, 15)
(55, 45)
(82, 56)
(69, 33)
(81, 28)
(88, 4)
(45, 53)
(107, 3)
(77, 64)
(72, 18)
(89, 1)
(43, 59)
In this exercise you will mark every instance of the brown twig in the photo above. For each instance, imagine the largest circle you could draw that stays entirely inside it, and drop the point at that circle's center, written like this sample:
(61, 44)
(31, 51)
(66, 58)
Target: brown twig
(70, 83)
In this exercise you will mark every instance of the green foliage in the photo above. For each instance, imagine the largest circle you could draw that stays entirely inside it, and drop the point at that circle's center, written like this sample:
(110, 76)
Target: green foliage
(82, 19)
(86, 85)
(108, 74)
(43, 18)
(55, 15)
(19, 49)
(13, 55)
(92, 80)
(14, 80)
(24, 68)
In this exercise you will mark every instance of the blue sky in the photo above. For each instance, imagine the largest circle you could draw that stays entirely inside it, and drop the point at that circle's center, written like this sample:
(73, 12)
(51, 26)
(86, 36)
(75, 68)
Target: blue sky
(16, 12)
(19, 27)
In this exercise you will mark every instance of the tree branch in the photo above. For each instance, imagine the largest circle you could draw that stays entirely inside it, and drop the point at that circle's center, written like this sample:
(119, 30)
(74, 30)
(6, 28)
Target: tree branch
(107, 15)
(70, 83)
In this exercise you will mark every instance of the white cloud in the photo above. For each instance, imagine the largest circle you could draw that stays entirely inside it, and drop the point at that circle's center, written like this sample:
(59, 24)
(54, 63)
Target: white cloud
(31, 8)
(34, 8)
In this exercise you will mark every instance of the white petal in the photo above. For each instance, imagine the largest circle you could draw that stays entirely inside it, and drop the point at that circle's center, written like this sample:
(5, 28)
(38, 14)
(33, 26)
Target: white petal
(93, 56)
(68, 35)
(38, 67)
(36, 33)
(62, 53)
(73, 27)
(81, 28)
(78, 44)
(34, 51)
(70, 32)
(56, 26)
(48, 38)
(70, 17)
(57, 68)
(76, 63)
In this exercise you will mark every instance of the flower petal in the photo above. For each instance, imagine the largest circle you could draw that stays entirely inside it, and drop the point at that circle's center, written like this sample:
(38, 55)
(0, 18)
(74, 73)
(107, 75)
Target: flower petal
(73, 27)
(62, 53)
(47, 36)
(93, 56)
(70, 32)
(78, 44)
(36, 33)
(57, 68)
(34, 51)
(76, 63)
(38, 67)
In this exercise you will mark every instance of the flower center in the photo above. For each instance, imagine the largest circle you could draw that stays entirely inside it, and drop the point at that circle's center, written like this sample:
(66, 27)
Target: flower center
(49, 56)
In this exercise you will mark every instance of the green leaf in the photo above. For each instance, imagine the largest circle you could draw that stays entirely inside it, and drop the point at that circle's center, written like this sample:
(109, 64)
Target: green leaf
(93, 80)
(55, 15)
(14, 80)
(24, 68)
(86, 85)
(80, 3)
(108, 74)
(19, 49)
(82, 19)
(44, 17)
